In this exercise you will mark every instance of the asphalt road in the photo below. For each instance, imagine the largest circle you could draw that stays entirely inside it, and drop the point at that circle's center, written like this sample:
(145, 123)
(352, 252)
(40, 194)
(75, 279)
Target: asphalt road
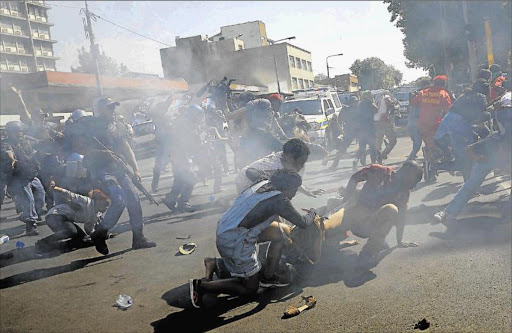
(459, 281)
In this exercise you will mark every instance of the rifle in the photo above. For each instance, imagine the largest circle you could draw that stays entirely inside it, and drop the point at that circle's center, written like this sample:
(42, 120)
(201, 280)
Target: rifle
(120, 163)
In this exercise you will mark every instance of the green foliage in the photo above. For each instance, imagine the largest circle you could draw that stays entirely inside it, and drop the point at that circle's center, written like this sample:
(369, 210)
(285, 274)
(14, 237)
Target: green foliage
(373, 73)
(107, 65)
(320, 77)
(421, 22)
(418, 80)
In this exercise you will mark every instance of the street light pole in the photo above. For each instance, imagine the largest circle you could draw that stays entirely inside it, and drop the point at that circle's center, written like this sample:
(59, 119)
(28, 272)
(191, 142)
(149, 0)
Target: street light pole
(327, 62)
(273, 42)
(94, 50)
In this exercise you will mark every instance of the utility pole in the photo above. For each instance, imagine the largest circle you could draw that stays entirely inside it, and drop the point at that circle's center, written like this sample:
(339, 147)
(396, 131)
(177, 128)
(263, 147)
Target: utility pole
(488, 39)
(470, 42)
(444, 35)
(94, 49)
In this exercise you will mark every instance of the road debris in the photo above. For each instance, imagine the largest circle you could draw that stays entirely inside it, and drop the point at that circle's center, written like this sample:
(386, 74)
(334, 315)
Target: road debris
(124, 301)
(184, 237)
(348, 243)
(422, 325)
(295, 310)
(187, 248)
(20, 245)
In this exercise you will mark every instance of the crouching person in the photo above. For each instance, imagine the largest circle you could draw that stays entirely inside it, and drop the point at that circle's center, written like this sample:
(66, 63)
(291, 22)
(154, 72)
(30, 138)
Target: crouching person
(250, 221)
(72, 209)
(380, 205)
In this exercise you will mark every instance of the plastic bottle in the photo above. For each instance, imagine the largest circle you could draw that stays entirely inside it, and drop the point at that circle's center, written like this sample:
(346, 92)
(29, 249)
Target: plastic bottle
(4, 239)
(124, 301)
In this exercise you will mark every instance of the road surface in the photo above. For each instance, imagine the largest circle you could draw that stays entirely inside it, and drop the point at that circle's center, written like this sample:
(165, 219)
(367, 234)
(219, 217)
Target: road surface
(459, 281)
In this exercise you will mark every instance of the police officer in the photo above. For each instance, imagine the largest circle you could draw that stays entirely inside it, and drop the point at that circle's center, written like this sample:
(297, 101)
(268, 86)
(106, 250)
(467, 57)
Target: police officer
(162, 120)
(185, 135)
(22, 183)
(111, 179)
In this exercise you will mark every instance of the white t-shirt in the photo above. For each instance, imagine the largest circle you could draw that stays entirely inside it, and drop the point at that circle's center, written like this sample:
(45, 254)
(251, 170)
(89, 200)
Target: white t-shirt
(269, 163)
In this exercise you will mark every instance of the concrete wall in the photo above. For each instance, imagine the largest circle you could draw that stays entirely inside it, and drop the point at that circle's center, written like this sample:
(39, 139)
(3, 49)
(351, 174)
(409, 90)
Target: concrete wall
(252, 33)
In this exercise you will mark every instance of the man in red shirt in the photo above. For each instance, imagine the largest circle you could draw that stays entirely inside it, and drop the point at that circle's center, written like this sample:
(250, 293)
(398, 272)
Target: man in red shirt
(496, 80)
(433, 103)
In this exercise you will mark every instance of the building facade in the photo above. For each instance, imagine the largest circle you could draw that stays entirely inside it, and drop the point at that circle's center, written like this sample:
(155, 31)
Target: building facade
(199, 59)
(26, 44)
(253, 34)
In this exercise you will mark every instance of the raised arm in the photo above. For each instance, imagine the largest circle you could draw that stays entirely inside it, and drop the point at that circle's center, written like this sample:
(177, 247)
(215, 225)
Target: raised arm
(24, 114)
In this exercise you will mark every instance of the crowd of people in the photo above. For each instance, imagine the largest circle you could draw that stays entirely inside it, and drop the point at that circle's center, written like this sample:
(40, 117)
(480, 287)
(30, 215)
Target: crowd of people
(81, 176)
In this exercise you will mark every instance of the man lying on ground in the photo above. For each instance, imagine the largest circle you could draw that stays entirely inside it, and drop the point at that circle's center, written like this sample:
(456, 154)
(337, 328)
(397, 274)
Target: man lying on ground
(380, 205)
(294, 155)
(250, 221)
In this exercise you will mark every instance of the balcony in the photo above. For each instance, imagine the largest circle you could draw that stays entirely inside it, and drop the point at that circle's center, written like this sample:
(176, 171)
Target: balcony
(14, 51)
(13, 33)
(46, 55)
(12, 14)
(43, 37)
(39, 4)
(41, 20)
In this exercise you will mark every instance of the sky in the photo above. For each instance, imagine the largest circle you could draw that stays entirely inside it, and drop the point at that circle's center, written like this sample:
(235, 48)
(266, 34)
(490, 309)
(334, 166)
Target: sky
(358, 29)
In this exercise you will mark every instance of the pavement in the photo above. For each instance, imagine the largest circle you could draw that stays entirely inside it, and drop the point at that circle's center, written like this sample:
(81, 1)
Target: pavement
(460, 280)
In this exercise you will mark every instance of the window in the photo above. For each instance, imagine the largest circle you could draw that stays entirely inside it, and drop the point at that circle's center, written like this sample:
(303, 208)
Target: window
(47, 51)
(294, 83)
(312, 83)
(330, 104)
(304, 65)
(34, 32)
(24, 65)
(292, 61)
(21, 48)
(326, 105)
(309, 66)
(306, 83)
(7, 27)
(3, 64)
(301, 83)
(298, 63)
(10, 47)
(17, 29)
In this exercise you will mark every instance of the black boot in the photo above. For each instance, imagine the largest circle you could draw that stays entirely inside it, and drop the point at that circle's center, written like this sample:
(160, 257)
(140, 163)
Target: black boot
(141, 242)
(99, 238)
(31, 229)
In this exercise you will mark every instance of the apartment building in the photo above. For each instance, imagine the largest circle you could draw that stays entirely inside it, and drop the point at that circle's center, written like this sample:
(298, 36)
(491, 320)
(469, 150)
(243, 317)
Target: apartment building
(26, 43)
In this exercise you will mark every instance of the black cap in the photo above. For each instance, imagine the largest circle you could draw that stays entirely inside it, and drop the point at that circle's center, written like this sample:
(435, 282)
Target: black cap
(106, 102)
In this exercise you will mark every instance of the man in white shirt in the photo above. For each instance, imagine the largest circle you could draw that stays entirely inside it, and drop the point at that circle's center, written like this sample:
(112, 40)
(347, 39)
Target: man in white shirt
(384, 124)
(294, 155)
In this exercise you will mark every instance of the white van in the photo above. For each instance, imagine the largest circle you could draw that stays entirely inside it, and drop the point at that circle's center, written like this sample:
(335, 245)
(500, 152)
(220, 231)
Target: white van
(316, 108)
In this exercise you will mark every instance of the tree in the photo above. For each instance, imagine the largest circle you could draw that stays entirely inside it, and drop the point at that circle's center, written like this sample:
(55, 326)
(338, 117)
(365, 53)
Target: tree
(425, 44)
(373, 73)
(418, 80)
(107, 65)
(320, 77)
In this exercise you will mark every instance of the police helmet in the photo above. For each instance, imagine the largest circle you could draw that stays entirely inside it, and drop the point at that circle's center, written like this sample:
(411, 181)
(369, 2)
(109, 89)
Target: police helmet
(74, 167)
(14, 126)
(77, 114)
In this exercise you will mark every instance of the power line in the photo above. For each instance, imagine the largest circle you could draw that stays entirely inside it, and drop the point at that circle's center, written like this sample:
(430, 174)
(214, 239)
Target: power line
(133, 32)
(63, 6)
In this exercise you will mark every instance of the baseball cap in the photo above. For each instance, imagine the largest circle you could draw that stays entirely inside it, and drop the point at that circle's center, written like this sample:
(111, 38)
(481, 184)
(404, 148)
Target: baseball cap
(106, 102)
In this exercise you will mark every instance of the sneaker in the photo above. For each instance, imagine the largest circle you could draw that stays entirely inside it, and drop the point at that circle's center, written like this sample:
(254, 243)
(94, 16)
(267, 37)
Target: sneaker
(443, 217)
(185, 207)
(31, 230)
(195, 297)
(99, 239)
(141, 242)
(274, 281)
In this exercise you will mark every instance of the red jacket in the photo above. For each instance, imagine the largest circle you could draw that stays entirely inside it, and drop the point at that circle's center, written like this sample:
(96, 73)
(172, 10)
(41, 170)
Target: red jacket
(433, 102)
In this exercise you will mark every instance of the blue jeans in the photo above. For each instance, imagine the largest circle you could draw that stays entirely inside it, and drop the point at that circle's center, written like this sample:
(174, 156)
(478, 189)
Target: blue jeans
(29, 195)
(460, 132)
(478, 174)
(122, 193)
(416, 139)
(370, 140)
